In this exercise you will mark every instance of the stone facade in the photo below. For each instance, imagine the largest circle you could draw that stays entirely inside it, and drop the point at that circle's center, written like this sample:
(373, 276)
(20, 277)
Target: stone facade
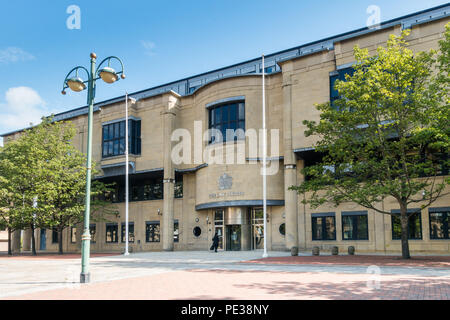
(291, 94)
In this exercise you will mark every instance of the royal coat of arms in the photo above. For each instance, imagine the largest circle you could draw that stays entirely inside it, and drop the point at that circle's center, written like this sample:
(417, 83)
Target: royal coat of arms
(225, 182)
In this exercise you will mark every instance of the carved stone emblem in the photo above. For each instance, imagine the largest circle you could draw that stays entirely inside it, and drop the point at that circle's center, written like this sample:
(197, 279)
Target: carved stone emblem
(225, 182)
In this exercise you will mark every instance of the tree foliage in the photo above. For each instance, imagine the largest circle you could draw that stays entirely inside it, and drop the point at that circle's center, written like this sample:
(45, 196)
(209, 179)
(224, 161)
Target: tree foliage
(387, 135)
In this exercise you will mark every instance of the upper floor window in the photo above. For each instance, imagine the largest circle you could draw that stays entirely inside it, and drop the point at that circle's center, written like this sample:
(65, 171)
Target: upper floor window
(114, 138)
(226, 117)
(338, 75)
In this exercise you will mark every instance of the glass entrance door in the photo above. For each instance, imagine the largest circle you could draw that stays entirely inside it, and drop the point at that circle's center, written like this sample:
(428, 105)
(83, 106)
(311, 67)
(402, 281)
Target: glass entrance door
(257, 220)
(218, 227)
(234, 238)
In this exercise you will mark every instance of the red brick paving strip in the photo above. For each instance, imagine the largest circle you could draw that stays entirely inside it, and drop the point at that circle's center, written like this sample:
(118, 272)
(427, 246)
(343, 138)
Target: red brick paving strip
(423, 261)
(255, 285)
(46, 256)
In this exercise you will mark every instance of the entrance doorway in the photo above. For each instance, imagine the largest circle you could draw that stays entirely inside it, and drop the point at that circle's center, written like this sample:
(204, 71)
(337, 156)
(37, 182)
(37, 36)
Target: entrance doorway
(43, 243)
(257, 221)
(234, 238)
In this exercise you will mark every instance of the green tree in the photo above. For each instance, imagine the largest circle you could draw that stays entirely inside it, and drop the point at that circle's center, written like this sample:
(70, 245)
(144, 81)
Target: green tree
(50, 174)
(386, 137)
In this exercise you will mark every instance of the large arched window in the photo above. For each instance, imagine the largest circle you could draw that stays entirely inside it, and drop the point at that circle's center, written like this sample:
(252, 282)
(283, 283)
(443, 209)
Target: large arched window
(225, 117)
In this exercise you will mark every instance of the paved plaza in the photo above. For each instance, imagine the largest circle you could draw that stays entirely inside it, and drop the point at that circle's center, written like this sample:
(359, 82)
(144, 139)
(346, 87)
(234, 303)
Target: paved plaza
(225, 275)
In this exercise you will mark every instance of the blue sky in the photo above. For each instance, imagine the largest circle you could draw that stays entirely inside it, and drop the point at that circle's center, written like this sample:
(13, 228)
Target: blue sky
(159, 42)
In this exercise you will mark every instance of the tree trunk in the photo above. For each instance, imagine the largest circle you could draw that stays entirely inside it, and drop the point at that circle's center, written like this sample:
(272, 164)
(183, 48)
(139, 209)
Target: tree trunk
(33, 241)
(60, 241)
(404, 223)
(9, 242)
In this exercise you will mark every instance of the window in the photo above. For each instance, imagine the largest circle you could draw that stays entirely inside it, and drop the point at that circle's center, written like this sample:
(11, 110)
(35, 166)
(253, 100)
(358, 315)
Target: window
(414, 225)
(178, 186)
(197, 231)
(112, 233)
(92, 231)
(130, 232)
(114, 138)
(54, 235)
(282, 229)
(73, 235)
(323, 226)
(140, 190)
(176, 231)
(355, 226)
(227, 117)
(152, 231)
(338, 75)
(439, 223)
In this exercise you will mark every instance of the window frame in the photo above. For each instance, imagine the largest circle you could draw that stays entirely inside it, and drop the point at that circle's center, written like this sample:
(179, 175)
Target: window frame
(354, 215)
(224, 125)
(122, 232)
(134, 138)
(323, 216)
(446, 211)
(108, 225)
(396, 214)
(147, 232)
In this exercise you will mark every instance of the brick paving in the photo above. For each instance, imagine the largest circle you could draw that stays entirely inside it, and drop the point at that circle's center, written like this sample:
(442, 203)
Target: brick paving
(226, 275)
(52, 256)
(360, 260)
(230, 285)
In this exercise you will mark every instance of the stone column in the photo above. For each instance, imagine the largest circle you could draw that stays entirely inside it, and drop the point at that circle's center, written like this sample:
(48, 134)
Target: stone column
(290, 168)
(168, 118)
(26, 240)
(15, 241)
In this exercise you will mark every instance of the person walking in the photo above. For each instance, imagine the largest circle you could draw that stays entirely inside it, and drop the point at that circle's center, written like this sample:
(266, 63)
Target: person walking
(215, 244)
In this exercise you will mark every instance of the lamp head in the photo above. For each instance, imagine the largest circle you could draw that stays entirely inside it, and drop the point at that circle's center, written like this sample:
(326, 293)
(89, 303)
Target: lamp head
(109, 75)
(76, 84)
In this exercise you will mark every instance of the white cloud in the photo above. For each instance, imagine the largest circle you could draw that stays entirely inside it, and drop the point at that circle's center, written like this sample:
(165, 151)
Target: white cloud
(23, 106)
(149, 47)
(13, 54)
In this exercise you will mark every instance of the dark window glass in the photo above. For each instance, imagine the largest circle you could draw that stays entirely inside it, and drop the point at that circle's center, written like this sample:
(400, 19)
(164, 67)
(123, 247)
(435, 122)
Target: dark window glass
(283, 229)
(179, 186)
(152, 232)
(73, 235)
(355, 227)
(334, 94)
(114, 138)
(227, 117)
(112, 233)
(176, 231)
(323, 228)
(130, 232)
(197, 231)
(439, 225)
(93, 230)
(414, 227)
(54, 236)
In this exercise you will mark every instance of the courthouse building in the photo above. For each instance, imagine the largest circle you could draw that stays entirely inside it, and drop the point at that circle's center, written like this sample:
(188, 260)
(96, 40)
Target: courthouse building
(181, 206)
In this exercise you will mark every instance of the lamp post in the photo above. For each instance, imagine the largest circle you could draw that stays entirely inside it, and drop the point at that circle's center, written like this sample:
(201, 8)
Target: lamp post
(75, 83)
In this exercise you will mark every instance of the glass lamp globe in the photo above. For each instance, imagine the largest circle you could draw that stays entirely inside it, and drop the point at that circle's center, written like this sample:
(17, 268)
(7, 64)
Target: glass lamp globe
(109, 75)
(76, 84)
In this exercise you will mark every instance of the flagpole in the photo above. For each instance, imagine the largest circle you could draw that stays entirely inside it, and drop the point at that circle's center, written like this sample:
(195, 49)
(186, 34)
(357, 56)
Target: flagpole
(265, 255)
(126, 176)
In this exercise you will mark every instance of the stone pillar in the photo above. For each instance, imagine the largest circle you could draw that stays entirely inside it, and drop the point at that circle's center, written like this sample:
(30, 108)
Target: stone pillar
(168, 118)
(301, 209)
(245, 231)
(26, 240)
(290, 168)
(15, 241)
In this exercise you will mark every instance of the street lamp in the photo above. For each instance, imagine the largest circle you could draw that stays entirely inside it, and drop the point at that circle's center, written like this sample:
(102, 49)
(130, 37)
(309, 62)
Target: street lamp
(77, 84)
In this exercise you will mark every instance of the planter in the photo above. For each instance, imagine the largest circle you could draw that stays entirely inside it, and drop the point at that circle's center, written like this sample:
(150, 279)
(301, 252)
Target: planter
(294, 251)
(335, 251)
(351, 250)
(316, 251)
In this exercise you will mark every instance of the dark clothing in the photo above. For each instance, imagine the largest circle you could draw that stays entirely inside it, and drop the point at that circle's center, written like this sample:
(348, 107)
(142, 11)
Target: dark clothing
(215, 243)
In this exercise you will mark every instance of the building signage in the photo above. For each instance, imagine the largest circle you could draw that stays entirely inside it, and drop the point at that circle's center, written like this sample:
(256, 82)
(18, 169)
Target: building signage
(225, 183)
